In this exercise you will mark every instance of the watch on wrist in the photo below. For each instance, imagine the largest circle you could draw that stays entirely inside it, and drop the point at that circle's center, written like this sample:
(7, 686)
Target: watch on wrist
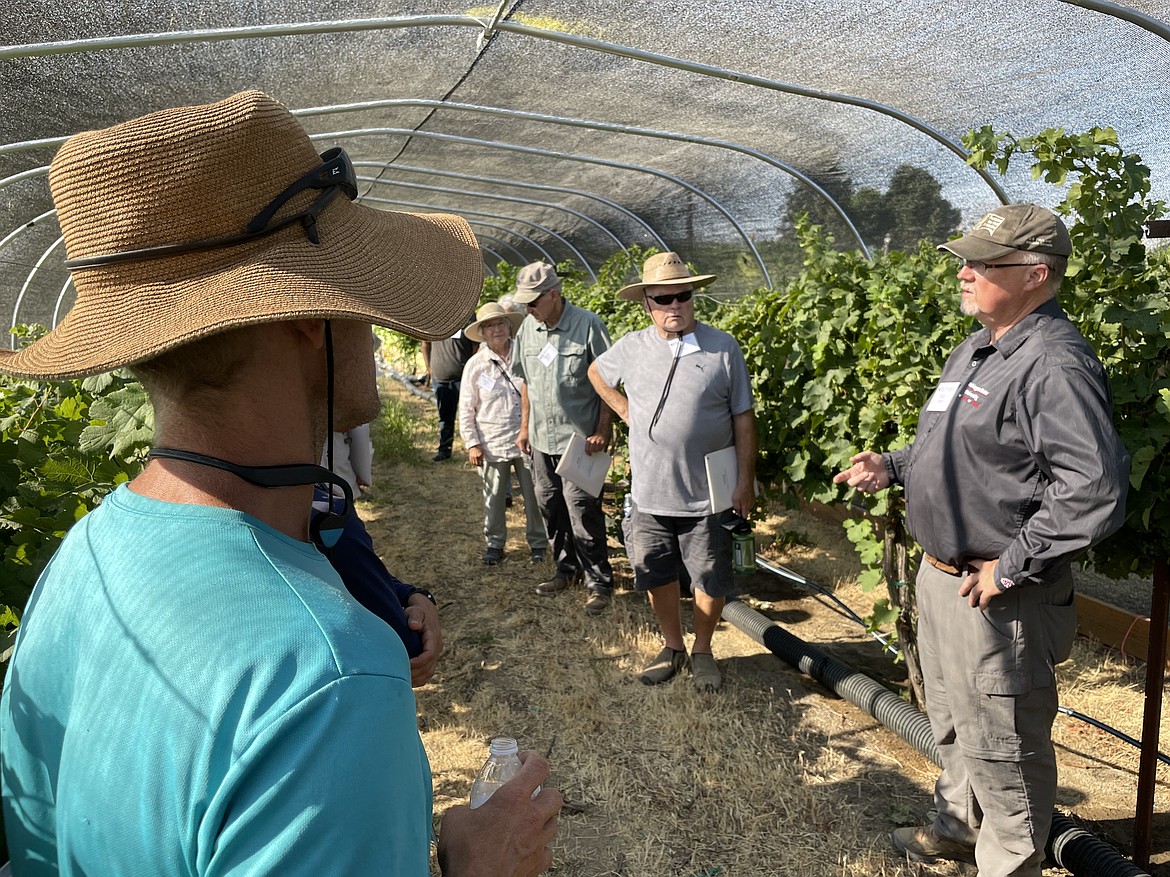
(424, 592)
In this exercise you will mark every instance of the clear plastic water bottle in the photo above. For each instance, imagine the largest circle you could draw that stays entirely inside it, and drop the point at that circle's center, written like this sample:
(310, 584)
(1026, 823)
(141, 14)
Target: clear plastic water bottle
(502, 764)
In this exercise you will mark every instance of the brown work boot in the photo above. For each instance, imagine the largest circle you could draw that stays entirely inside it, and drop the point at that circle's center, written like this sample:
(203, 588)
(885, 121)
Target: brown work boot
(923, 845)
(556, 585)
(597, 603)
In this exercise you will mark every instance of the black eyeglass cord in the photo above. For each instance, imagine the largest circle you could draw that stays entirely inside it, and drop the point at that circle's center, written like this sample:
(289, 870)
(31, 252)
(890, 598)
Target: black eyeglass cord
(665, 389)
(329, 403)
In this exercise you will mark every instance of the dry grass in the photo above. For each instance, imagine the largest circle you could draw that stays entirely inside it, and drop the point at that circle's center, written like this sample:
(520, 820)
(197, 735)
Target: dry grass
(769, 776)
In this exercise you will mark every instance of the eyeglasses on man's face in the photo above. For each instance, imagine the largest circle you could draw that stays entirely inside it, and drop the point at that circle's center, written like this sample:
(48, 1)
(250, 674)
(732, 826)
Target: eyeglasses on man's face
(671, 297)
(980, 267)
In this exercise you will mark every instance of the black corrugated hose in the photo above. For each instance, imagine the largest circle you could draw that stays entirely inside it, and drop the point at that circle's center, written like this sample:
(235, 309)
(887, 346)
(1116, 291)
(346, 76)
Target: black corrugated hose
(1068, 845)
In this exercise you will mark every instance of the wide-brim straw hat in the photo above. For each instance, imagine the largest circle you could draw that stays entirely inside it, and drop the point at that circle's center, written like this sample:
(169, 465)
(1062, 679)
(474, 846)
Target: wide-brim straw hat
(663, 269)
(204, 172)
(492, 311)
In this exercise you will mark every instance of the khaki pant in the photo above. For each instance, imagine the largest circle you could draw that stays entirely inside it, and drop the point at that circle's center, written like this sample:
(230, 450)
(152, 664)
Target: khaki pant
(495, 489)
(991, 697)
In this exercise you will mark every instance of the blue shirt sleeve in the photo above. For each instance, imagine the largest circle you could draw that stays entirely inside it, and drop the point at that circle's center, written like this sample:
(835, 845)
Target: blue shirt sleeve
(367, 579)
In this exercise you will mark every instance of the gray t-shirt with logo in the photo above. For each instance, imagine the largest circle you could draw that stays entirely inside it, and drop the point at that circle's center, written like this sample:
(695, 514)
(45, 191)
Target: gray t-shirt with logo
(709, 386)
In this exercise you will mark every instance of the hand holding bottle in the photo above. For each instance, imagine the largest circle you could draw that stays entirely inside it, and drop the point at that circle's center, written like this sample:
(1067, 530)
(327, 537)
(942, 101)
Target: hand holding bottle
(509, 835)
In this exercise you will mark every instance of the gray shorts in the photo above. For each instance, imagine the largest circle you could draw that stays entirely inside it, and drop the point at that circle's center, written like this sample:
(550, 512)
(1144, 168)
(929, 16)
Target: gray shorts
(663, 548)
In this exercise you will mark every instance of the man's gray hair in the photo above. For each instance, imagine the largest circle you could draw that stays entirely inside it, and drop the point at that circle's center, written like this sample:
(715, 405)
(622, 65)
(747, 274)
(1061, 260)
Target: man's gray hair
(1057, 265)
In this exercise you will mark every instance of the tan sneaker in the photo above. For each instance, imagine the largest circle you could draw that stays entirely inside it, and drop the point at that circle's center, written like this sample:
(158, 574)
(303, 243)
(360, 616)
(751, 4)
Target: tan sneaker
(705, 672)
(923, 845)
(665, 665)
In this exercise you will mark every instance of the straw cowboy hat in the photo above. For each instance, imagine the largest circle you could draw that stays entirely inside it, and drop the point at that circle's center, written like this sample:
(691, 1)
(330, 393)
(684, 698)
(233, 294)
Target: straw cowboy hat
(191, 221)
(663, 269)
(492, 311)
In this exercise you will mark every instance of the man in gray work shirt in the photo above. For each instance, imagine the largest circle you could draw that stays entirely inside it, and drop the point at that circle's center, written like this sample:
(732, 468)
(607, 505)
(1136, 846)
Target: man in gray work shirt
(554, 347)
(1015, 470)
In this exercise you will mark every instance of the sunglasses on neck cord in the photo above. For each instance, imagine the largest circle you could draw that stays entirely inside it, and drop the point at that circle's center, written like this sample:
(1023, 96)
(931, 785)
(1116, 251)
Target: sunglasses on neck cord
(335, 174)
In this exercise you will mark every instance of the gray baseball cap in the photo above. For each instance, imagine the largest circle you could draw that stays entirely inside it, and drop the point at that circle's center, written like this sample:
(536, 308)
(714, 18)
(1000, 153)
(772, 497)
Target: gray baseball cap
(1009, 229)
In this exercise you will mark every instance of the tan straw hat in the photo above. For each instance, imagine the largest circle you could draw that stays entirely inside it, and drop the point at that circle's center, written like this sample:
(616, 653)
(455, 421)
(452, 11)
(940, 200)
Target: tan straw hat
(663, 269)
(492, 311)
(190, 221)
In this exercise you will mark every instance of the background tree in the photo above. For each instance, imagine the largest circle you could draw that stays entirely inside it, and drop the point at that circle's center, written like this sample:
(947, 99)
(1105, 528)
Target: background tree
(916, 210)
(912, 209)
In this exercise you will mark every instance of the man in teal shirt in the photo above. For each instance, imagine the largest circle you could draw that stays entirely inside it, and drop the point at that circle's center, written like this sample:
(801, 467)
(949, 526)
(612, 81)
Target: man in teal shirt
(193, 691)
(555, 346)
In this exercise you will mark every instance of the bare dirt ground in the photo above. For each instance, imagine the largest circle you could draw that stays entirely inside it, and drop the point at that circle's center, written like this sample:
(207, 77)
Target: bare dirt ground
(774, 775)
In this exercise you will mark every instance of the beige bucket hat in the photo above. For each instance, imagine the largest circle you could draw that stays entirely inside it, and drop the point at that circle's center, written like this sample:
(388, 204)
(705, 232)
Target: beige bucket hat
(492, 311)
(663, 269)
(190, 221)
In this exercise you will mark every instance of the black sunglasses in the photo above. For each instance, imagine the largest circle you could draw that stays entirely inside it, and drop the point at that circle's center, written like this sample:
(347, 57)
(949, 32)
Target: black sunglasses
(336, 173)
(672, 297)
(532, 304)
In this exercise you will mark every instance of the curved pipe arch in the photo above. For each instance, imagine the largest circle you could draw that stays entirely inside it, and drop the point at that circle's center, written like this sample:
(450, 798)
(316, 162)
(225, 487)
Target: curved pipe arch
(543, 187)
(509, 198)
(29, 174)
(1155, 26)
(22, 229)
(416, 205)
(491, 269)
(52, 248)
(503, 243)
(565, 156)
(609, 127)
(580, 42)
(9, 238)
(60, 299)
(498, 227)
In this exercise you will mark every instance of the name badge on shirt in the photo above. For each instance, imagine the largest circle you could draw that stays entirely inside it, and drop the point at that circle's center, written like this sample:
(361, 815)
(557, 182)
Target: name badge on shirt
(548, 354)
(941, 398)
(486, 381)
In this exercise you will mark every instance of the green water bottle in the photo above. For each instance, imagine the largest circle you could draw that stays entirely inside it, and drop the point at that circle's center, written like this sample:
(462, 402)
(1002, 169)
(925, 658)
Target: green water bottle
(743, 545)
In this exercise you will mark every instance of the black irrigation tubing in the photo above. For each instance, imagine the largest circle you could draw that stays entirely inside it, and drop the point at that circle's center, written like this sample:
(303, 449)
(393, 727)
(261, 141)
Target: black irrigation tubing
(1097, 723)
(1068, 845)
(784, 572)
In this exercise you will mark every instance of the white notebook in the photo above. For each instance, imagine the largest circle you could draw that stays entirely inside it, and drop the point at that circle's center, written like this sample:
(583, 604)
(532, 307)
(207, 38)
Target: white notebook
(722, 472)
(587, 471)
